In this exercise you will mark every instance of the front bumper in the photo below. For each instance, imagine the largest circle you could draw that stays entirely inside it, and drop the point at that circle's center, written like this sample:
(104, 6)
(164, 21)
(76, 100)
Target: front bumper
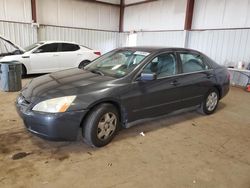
(52, 126)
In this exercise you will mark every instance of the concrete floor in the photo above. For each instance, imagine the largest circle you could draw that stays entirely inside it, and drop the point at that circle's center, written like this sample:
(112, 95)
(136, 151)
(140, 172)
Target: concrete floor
(185, 150)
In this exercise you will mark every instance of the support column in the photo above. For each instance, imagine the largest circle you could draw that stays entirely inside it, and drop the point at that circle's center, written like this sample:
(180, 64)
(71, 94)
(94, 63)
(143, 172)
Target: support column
(33, 11)
(188, 21)
(121, 21)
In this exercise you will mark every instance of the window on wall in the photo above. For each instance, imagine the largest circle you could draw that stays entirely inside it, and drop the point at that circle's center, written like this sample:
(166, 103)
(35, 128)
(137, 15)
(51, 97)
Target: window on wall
(192, 62)
(163, 65)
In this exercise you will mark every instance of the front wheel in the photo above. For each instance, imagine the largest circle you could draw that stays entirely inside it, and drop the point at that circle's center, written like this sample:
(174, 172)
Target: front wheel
(101, 125)
(210, 103)
(24, 71)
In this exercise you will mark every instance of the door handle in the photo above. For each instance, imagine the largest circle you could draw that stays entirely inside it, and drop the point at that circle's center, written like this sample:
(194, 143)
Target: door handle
(210, 75)
(174, 83)
(26, 56)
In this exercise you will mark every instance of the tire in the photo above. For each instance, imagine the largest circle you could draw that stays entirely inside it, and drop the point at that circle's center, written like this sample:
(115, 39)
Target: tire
(83, 64)
(101, 125)
(207, 107)
(24, 71)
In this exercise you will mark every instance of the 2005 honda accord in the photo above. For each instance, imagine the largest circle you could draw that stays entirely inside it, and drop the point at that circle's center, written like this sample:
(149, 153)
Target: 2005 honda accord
(120, 87)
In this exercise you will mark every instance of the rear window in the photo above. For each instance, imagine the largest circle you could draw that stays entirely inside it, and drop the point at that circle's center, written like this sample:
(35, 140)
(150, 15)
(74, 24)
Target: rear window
(192, 62)
(69, 47)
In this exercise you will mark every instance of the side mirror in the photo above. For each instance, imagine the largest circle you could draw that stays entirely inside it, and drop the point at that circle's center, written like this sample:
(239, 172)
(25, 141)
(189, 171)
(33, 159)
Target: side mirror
(148, 76)
(37, 51)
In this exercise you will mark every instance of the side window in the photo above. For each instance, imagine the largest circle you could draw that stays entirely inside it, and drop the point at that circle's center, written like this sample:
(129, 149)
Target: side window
(163, 65)
(69, 47)
(192, 62)
(47, 48)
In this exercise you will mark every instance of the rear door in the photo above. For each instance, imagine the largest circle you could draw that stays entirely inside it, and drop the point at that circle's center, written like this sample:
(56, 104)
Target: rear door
(44, 59)
(68, 55)
(195, 79)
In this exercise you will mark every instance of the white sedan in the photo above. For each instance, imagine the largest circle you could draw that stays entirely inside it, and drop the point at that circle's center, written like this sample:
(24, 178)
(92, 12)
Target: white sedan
(51, 56)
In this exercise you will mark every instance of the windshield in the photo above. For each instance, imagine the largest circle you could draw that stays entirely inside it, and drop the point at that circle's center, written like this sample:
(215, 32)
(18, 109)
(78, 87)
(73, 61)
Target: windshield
(117, 63)
(32, 46)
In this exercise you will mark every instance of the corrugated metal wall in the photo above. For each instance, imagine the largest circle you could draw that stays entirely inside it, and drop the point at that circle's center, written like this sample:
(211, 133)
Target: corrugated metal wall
(168, 38)
(75, 13)
(20, 33)
(25, 34)
(156, 15)
(227, 47)
(68, 15)
(15, 10)
(100, 40)
(216, 14)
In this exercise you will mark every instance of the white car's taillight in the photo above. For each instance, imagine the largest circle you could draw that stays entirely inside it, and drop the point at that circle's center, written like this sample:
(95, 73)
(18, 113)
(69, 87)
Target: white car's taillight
(97, 53)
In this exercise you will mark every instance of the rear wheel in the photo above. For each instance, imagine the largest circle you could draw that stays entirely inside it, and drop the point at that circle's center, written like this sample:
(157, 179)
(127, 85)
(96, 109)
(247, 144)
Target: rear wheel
(210, 103)
(83, 64)
(101, 125)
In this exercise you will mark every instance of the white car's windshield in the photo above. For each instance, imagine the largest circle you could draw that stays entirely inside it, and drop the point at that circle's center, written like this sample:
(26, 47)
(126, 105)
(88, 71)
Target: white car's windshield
(117, 63)
(32, 46)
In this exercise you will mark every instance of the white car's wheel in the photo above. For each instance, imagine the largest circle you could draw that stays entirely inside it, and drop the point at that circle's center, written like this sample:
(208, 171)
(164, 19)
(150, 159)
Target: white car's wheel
(83, 64)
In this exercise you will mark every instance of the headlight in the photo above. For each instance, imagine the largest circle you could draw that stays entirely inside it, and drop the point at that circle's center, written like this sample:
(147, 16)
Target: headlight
(54, 105)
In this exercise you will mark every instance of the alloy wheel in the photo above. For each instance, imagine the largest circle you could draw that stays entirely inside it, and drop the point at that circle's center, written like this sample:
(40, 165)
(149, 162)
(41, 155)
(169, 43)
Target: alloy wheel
(106, 126)
(212, 101)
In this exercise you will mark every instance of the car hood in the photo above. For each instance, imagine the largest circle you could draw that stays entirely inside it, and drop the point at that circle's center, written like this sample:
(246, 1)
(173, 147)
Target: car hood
(64, 83)
(11, 43)
(11, 58)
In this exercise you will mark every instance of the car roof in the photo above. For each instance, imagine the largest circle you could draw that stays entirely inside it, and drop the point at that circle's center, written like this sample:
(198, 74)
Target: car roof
(57, 41)
(151, 49)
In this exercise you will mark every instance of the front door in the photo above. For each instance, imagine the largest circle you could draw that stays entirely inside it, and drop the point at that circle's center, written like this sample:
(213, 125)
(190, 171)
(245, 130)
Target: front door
(156, 97)
(45, 59)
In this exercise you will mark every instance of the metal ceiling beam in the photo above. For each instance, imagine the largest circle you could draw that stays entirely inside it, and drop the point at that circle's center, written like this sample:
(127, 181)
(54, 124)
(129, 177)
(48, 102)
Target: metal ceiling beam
(101, 2)
(139, 3)
(189, 15)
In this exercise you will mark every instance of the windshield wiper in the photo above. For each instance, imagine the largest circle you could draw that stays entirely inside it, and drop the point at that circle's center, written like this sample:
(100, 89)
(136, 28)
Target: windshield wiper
(97, 72)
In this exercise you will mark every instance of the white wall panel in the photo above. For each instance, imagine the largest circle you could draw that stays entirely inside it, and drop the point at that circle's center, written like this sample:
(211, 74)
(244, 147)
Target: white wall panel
(21, 34)
(75, 13)
(158, 15)
(227, 47)
(99, 40)
(211, 14)
(15, 10)
(169, 38)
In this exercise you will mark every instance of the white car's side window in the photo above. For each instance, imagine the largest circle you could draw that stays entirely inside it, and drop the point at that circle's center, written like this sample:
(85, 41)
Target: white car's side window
(47, 48)
(66, 47)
